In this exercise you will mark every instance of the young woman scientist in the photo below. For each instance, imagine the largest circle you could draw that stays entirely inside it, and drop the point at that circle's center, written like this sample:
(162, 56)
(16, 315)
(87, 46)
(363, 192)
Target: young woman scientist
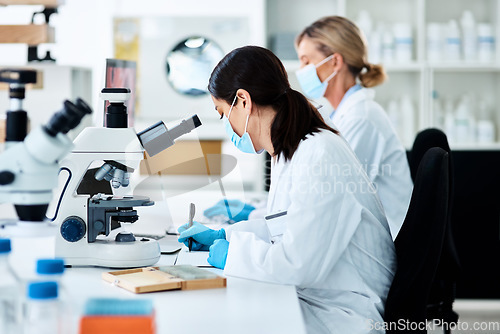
(329, 237)
(333, 58)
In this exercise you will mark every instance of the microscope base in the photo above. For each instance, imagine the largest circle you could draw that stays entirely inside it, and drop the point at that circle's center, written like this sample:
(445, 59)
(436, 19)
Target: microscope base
(111, 254)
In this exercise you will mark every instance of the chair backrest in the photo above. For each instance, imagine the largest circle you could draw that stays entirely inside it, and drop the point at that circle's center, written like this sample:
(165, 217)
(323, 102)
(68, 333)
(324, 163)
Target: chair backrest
(420, 241)
(443, 290)
(424, 140)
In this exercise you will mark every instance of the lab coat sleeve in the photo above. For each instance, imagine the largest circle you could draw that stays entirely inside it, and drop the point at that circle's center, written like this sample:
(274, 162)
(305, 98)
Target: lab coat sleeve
(320, 224)
(257, 226)
(358, 131)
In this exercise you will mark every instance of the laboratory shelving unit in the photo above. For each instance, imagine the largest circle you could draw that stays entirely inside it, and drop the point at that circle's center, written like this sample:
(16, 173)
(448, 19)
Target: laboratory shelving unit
(419, 78)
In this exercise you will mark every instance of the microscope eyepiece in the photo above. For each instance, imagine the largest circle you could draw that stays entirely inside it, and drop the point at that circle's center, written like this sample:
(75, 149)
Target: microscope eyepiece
(116, 112)
(68, 118)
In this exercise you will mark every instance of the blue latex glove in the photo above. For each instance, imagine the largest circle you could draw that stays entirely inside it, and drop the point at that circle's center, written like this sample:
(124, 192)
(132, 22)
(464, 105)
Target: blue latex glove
(235, 210)
(203, 237)
(218, 253)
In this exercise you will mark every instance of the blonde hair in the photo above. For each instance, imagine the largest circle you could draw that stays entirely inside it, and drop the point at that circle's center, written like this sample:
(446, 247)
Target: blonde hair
(336, 34)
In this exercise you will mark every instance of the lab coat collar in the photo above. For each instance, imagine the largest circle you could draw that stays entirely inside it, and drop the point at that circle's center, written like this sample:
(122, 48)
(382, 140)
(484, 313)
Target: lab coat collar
(356, 97)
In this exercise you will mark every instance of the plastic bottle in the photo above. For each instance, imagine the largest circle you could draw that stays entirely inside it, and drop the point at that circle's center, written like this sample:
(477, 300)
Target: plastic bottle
(485, 127)
(469, 45)
(485, 42)
(408, 120)
(50, 270)
(387, 47)
(463, 121)
(364, 22)
(375, 47)
(42, 312)
(437, 110)
(435, 42)
(53, 270)
(453, 42)
(9, 293)
(403, 42)
(449, 120)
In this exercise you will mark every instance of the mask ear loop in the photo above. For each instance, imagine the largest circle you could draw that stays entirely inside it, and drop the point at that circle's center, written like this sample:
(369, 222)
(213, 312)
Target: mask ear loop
(331, 76)
(246, 124)
(232, 105)
(324, 60)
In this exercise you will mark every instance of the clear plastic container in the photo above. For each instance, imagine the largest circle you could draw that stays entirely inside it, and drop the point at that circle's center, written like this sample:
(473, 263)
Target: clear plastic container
(42, 310)
(403, 42)
(453, 43)
(50, 270)
(469, 36)
(53, 270)
(435, 42)
(485, 42)
(10, 309)
(387, 47)
(408, 123)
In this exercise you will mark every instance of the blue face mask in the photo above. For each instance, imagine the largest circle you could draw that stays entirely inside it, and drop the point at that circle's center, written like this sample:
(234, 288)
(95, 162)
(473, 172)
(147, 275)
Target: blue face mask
(309, 81)
(243, 143)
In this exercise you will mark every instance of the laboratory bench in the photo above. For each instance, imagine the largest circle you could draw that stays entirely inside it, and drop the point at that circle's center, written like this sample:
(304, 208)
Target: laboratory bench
(244, 306)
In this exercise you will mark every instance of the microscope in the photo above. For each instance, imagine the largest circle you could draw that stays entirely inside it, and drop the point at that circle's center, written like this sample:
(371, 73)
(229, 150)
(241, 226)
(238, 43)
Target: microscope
(29, 166)
(97, 201)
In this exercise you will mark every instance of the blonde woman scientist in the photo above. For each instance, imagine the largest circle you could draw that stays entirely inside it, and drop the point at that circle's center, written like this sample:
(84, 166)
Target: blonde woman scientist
(333, 58)
(329, 236)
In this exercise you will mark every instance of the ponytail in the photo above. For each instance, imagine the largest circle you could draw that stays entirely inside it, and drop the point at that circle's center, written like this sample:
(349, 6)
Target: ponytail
(373, 76)
(295, 118)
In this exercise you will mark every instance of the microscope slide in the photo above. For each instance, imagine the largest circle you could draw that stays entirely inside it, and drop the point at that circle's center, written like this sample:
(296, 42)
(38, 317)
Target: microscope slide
(194, 258)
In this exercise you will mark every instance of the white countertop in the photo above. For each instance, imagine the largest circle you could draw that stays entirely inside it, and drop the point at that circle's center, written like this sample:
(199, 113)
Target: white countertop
(244, 306)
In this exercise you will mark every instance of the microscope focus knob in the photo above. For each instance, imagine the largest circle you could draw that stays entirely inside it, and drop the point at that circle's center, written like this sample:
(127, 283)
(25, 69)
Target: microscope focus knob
(73, 229)
(6, 177)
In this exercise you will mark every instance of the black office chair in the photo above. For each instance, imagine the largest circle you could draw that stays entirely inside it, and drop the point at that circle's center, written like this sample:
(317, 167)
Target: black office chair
(443, 291)
(419, 244)
(424, 140)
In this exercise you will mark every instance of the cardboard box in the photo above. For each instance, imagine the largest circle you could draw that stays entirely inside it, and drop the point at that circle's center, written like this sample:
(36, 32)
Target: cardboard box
(185, 157)
(2, 130)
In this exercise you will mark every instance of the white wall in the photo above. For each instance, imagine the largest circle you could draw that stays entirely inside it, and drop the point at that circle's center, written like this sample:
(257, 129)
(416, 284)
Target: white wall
(84, 28)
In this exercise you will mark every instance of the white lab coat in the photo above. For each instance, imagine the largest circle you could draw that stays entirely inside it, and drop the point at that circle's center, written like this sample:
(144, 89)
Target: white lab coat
(366, 127)
(336, 247)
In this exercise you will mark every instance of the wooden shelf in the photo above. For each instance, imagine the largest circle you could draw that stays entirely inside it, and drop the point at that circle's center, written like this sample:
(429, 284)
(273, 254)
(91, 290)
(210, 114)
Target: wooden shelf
(32, 34)
(46, 3)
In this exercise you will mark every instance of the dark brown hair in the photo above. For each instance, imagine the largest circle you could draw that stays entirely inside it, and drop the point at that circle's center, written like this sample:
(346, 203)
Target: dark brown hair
(259, 72)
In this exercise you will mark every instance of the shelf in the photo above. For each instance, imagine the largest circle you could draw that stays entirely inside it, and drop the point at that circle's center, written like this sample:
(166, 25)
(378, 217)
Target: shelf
(32, 34)
(429, 84)
(46, 3)
(474, 146)
(293, 65)
(464, 67)
(404, 67)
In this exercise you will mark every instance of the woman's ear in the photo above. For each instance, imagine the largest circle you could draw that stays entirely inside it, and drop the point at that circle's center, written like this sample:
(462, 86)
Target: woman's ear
(337, 61)
(245, 99)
